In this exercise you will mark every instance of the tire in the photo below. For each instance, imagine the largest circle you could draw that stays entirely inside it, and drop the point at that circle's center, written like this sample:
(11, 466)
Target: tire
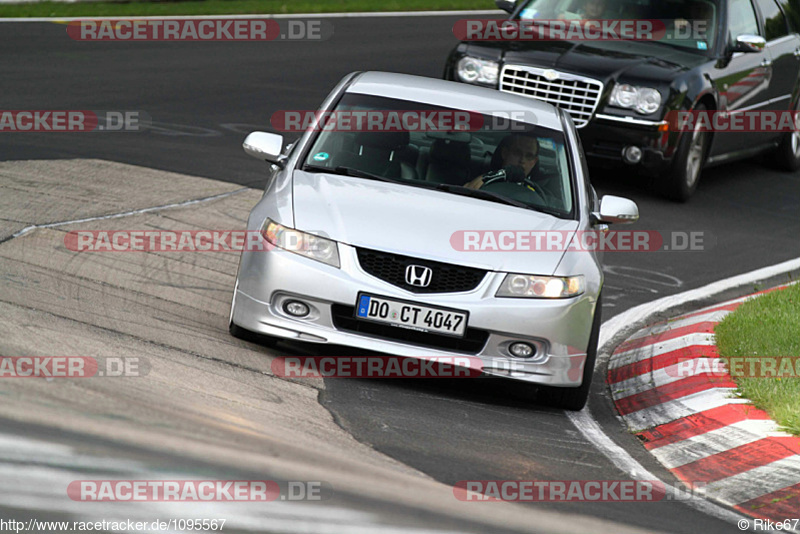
(574, 399)
(786, 156)
(681, 181)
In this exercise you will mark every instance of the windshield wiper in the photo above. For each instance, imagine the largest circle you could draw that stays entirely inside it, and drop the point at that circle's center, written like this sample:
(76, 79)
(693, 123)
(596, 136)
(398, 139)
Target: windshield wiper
(477, 193)
(494, 197)
(349, 171)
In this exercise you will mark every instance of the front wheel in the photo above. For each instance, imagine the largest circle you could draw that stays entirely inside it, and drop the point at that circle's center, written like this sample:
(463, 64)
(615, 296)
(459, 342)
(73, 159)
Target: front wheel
(787, 156)
(574, 399)
(681, 181)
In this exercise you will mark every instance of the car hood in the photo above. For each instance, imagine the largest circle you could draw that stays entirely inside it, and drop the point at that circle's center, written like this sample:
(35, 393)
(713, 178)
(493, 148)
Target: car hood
(605, 61)
(418, 222)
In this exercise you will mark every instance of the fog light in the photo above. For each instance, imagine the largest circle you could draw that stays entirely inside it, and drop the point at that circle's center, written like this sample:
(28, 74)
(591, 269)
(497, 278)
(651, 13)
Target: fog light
(296, 308)
(522, 350)
(632, 154)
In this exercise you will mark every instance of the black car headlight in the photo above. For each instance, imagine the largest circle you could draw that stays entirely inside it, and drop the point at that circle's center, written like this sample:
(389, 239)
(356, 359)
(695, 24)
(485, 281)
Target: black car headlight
(477, 71)
(644, 100)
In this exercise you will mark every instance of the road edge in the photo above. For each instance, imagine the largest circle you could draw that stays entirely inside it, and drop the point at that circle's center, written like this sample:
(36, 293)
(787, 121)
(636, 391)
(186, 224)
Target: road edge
(621, 326)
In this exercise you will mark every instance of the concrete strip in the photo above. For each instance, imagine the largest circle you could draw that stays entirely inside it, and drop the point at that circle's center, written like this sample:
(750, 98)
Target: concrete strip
(760, 481)
(662, 328)
(46, 191)
(662, 377)
(678, 408)
(716, 441)
(659, 347)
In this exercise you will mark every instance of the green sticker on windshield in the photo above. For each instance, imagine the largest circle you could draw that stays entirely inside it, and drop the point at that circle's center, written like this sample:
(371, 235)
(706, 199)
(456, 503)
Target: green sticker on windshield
(321, 156)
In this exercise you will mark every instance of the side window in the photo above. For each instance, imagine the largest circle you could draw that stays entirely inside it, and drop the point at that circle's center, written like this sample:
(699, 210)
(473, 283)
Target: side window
(741, 19)
(774, 21)
(792, 11)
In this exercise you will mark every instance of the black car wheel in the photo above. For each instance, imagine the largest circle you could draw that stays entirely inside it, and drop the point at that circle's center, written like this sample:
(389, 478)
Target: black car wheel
(787, 155)
(574, 399)
(681, 182)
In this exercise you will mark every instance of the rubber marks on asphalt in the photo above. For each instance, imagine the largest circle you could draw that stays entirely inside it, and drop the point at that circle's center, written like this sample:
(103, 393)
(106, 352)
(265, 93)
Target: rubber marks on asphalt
(689, 418)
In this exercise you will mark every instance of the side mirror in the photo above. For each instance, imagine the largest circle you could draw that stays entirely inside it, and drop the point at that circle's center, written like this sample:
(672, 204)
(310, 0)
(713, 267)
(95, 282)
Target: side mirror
(506, 5)
(265, 146)
(616, 210)
(749, 44)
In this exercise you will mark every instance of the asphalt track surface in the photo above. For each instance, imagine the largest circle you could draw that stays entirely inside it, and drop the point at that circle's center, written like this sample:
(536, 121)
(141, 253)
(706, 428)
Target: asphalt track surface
(203, 99)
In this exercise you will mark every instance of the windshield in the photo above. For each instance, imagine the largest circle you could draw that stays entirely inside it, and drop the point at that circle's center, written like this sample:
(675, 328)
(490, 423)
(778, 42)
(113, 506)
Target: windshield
(685, 23)
(501, 160)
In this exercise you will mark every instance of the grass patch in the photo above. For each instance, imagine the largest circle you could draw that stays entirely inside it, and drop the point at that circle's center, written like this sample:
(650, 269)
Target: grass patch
(230, 7)
(768, 325)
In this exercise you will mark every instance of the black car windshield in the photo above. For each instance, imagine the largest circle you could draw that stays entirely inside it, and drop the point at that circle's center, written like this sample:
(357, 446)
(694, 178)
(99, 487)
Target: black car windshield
(488, 157)
(684, 23)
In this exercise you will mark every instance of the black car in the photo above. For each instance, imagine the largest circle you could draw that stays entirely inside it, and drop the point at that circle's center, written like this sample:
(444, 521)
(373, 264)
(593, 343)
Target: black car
(621, 94)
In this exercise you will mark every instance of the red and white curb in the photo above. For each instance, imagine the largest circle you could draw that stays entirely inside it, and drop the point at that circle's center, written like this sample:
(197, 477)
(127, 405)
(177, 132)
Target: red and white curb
(695, 425)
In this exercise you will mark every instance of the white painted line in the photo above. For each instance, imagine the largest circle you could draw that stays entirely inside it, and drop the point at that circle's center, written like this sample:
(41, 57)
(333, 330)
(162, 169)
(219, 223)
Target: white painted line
(664, 376)
(364, 14)
(676, 409)
(756, 482)
(662, 328)
(657, 349)
(591, 430)
(716, 441)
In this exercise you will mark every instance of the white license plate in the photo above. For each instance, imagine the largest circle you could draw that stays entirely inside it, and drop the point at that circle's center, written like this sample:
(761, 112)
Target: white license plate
(411, 315)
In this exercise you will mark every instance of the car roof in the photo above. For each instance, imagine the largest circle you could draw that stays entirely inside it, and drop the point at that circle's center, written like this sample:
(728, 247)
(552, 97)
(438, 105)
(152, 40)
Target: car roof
(455, 95)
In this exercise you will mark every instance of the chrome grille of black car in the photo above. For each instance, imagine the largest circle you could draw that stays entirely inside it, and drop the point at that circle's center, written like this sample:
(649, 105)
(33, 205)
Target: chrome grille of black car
(577, 95)
(446, 278)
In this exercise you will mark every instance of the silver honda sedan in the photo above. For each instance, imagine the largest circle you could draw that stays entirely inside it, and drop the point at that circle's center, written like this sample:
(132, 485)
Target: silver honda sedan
(427, 219)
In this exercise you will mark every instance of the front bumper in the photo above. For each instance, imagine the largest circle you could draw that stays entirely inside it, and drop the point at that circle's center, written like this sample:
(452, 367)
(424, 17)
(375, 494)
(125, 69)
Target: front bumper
(606, 136)
(559, 329)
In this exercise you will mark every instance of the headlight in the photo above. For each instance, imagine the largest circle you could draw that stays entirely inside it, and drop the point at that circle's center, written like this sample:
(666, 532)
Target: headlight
(308, 245)
(541, 287)
(645, 100)
(474, 70)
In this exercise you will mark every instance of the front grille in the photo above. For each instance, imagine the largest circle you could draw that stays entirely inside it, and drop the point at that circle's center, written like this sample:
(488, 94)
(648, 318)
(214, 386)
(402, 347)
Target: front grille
(472, 343)
(574, 94)
(446, 278)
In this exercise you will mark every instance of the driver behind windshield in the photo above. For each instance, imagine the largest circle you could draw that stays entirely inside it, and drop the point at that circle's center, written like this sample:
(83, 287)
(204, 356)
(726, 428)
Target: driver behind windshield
(516, 151)
(514, 173)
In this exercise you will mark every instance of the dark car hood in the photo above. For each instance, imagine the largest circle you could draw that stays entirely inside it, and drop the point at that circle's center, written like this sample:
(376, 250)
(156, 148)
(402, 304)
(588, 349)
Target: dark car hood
(600, 60)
